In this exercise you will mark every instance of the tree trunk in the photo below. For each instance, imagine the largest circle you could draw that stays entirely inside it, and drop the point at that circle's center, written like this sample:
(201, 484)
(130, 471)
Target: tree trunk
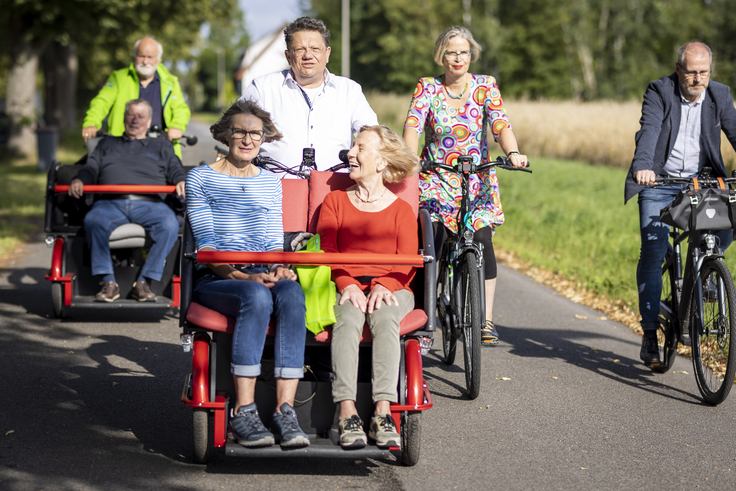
(60, 67)
(21, 106)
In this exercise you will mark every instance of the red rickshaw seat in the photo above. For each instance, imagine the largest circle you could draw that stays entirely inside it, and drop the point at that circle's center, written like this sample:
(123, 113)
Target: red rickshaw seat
(209, 319)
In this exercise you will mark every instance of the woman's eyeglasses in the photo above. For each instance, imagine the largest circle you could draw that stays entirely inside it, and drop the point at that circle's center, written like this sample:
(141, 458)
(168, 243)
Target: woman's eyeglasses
(239, 133)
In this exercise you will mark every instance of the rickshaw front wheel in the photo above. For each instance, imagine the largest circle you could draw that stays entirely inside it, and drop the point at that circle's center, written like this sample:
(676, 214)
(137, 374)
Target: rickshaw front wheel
(410, 437)
(201, 440)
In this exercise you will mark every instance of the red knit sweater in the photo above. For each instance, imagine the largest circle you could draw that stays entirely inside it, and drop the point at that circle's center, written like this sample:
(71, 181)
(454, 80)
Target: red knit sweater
(344, 228)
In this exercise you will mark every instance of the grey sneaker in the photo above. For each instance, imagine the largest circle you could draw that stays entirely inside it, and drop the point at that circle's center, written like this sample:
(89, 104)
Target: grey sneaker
(383, 431)
(249, 429)
(286, 427)
(351, 432)
(109, 293)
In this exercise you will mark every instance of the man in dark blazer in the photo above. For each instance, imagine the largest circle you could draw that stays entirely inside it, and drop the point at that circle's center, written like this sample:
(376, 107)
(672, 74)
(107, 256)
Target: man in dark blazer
(681, 121)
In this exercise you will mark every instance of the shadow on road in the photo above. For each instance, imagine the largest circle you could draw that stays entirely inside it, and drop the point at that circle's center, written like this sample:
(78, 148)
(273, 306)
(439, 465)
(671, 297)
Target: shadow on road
(568, 346)
(108, 412)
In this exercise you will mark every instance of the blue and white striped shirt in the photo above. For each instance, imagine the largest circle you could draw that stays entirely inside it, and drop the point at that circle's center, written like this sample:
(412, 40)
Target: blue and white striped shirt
(235, 213)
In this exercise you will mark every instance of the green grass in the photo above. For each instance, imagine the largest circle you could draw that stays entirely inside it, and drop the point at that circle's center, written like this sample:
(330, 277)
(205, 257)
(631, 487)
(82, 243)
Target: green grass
(22, 191)
(570, 218)
(21, 204)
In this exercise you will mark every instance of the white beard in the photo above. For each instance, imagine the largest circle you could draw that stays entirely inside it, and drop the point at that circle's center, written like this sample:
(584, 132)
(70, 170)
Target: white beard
(144, 70)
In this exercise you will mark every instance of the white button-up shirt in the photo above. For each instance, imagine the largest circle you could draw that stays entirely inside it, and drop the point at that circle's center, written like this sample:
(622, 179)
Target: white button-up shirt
(326, 120)
(684, 160)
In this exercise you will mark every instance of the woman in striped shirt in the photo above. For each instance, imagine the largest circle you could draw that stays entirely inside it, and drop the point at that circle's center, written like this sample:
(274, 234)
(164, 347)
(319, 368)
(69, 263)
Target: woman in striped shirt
(235, 206)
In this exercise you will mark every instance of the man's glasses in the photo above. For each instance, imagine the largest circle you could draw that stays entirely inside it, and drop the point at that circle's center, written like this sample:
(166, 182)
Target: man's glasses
(463, 55)
(239, 134)
(692, 73)
(303, 51)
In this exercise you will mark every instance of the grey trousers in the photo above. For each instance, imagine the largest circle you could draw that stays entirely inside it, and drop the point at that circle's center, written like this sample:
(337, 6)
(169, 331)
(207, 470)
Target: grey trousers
(384, 326)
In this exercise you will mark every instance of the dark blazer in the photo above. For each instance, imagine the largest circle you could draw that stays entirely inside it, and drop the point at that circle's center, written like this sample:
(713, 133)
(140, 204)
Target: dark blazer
(660, 122)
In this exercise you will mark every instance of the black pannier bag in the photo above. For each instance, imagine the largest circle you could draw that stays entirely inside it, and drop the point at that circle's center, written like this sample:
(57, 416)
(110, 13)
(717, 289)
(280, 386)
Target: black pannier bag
(701, 209)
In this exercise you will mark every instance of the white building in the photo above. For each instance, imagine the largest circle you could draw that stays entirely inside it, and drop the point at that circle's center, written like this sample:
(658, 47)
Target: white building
(263, 57)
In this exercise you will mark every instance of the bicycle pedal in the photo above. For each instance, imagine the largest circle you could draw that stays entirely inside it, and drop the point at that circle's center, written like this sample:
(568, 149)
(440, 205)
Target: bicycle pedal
(489, 342)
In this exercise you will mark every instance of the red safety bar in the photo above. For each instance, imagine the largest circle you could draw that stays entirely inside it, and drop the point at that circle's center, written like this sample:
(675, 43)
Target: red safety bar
(118, 189)
(308, 258)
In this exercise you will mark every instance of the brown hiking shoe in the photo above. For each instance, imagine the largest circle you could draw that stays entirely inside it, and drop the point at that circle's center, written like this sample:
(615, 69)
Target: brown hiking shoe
(142, 292)
(109, 293)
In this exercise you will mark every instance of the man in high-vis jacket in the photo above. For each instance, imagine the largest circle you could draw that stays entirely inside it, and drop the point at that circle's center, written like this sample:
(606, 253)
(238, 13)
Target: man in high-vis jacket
(146, 78)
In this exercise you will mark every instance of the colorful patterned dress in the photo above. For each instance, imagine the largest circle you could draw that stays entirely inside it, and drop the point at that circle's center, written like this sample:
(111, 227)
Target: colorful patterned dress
(450, 133)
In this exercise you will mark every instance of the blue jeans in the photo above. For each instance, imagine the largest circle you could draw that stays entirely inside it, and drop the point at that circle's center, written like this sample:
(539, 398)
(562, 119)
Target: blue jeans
(654, 238)
(106, 215)
(251, 304)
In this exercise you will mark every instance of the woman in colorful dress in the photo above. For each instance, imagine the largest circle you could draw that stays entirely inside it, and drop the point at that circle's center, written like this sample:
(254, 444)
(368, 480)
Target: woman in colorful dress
(455, 111)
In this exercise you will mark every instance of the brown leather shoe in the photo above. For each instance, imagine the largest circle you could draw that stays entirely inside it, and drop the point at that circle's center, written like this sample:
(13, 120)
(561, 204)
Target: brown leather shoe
(109, 293)
(142, 292)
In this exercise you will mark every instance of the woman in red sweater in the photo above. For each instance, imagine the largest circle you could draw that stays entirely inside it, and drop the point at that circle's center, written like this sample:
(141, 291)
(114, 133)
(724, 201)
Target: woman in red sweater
(369, 218)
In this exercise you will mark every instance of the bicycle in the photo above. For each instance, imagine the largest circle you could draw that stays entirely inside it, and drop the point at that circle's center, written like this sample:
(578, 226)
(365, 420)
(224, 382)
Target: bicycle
(709, 313)
(461, 299)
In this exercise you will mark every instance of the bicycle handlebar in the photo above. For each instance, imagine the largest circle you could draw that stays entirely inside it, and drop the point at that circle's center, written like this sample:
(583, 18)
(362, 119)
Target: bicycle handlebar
(467, 166)
(704, 179)
(277, 167)
(159, 133)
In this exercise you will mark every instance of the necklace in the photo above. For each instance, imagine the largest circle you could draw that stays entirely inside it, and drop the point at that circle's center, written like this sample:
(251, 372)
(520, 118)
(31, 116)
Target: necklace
(369, 200)
(458, 96)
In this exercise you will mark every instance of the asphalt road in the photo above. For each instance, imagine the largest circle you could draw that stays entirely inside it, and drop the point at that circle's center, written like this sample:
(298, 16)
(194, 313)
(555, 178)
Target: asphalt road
(204, 150)
(92, 402)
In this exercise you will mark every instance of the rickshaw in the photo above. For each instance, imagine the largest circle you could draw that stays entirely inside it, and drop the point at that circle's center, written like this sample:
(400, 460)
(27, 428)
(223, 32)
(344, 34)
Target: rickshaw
(209, 388)
(72, 282)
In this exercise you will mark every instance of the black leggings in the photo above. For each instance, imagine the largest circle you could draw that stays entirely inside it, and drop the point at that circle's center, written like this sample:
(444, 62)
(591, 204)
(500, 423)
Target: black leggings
(483, 236)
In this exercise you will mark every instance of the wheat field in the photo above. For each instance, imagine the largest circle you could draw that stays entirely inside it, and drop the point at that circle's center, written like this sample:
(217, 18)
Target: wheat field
(599, 132)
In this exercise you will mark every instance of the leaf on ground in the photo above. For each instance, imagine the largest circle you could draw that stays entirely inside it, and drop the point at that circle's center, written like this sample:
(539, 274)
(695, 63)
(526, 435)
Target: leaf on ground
(578, 316)
(616, 360)
(682, 372)
(594, 350)
(602, 318)
(13, 431)
(505, 378)
(554, 378)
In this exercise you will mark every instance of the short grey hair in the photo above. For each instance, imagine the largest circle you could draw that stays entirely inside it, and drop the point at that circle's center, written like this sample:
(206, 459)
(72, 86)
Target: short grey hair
(443, 40)
(139, 102)
(221, 129)
(685, 49)
(306, 24)
(160, 48)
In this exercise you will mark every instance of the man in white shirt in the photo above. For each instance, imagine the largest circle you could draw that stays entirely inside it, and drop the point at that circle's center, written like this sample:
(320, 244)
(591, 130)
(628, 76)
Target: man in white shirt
(311, 107)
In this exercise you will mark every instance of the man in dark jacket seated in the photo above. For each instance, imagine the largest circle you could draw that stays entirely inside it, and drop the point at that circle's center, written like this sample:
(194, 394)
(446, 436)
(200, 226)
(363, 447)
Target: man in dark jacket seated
(131, 159)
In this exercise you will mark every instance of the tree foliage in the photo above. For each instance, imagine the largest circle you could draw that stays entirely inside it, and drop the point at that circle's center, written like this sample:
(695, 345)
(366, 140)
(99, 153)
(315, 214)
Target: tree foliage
(102, 33)
(579, 49)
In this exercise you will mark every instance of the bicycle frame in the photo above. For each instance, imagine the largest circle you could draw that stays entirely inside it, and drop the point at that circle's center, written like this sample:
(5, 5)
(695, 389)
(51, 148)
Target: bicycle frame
(687, 280)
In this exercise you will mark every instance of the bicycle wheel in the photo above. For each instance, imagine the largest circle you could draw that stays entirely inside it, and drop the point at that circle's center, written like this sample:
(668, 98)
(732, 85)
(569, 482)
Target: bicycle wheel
(470, 320)
(713, 343)
(667, 339)
(444, 311)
